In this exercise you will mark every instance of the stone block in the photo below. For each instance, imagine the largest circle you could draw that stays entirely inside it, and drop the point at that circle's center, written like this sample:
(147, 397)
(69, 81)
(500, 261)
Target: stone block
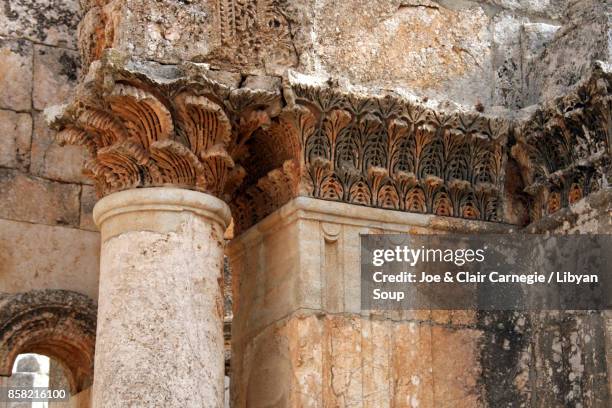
(554, 9)
(411, 365)
(569, 55)
(36, 256)
(342, 374)
(52, 161)
(15, 74)
(165, 31)
(507, 63)
(55, 75)
(456, 380)
(42, 21)
(228, 34)
(427, 48)
(16, 131)
(27, 198)
(88, 200)
(377, 377)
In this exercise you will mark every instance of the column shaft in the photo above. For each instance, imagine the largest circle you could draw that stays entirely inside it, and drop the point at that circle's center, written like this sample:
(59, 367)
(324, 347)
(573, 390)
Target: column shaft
(160, 319)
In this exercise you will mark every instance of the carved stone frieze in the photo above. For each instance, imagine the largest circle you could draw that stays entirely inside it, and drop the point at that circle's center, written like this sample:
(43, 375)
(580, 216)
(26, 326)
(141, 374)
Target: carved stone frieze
(564, 149)
(151, 125)
(252, 31)
(389, 153)
(378, 151)
(57, 323)
(175, 127)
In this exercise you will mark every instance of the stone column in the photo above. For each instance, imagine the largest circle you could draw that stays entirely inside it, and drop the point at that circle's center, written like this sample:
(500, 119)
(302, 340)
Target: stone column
(160, 319)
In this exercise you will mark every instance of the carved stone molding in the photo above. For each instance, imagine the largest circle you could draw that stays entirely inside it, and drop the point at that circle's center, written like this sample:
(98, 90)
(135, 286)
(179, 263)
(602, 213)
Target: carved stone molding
(564, 149)
(377, 151)
(162, 126)
(57, 323)
(253, 31)
(386, 152)
(152, 125)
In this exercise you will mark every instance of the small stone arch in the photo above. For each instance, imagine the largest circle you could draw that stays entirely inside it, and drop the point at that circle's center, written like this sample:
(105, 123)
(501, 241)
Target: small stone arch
(57, 323)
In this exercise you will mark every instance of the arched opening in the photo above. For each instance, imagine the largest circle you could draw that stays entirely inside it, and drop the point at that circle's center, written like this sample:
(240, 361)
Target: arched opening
(53, 323)
(32, 370)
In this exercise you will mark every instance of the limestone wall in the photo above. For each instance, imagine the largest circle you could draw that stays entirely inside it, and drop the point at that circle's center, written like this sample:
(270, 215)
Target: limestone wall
(477, 53)
(299, 336)
(300, 339)
(47, 236)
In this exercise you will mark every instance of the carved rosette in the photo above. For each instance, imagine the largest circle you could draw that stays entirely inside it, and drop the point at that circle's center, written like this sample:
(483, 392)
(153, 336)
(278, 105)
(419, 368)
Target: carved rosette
(143, 131)
(564, 148)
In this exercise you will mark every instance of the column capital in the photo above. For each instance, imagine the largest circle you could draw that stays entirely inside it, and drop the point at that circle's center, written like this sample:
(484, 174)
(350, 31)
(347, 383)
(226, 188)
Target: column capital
(564, 149)
(149, 125)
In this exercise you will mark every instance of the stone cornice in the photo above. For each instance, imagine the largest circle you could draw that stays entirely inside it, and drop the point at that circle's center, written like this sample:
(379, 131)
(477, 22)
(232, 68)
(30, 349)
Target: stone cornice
(150, 125)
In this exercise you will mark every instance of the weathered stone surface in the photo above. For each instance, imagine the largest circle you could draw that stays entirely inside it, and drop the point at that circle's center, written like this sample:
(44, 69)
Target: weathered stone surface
(563, 149)
(507, 60)
(35, 256)
(592, 215)
(336, 354)
(317, 360)
(52, 161)
(268, 83)
(27, 198)
(319, 264)
(411, 361)
(517, 43)
(570, 54)
(229, 34)
(44, 21)
(455, 379)
(55, 75)
(88, 200)
(16, 131)
(554, 9)
(423, 46)
(15, 74)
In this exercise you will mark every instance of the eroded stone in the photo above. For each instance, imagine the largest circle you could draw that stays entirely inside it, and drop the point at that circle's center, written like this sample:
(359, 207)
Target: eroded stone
(45, 21)
(16, 130)
(27, 198)
(424, 47)
(55, 75)
(53, 161)
(16, 74)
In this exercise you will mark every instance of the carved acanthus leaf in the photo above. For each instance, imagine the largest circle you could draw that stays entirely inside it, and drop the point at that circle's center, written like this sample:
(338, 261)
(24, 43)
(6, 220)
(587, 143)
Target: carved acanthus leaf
(387, 152)
(141, 131)
(564, 148)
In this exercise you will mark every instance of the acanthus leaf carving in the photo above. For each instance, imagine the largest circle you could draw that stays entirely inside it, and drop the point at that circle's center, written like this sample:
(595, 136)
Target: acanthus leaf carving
(187, 131)
(244, 146)
(564, 148)
(387, 152)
